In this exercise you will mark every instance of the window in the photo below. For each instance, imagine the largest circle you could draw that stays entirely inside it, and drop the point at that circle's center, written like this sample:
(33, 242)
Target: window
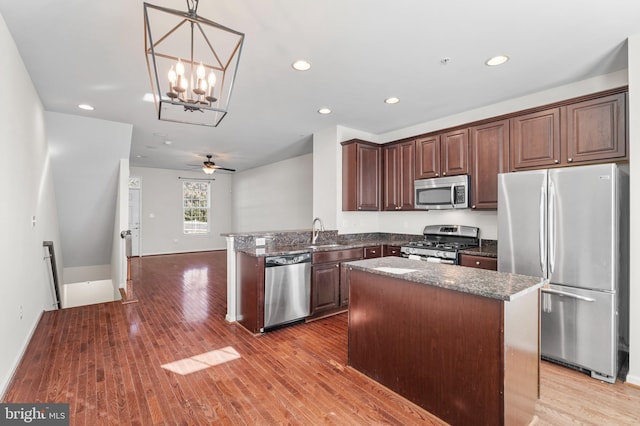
(195, 206)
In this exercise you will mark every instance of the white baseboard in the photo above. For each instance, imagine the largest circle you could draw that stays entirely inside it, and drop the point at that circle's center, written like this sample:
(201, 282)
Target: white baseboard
(634, 380)
(4, 386)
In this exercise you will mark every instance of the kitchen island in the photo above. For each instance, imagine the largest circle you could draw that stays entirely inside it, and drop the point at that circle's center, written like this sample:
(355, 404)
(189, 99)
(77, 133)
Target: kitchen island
(462, 343)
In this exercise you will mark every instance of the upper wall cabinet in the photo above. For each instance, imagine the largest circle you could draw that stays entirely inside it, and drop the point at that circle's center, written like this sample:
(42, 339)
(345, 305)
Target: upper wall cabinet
(399, 165)
(535, 140)
(595, 130)
(428, 157)
(589, 131)
(454, 152)
(361, 176)
(489, 155)
(443, 155)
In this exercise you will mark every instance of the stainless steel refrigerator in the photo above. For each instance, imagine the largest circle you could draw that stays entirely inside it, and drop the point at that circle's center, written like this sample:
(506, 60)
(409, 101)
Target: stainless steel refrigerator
(571, 226)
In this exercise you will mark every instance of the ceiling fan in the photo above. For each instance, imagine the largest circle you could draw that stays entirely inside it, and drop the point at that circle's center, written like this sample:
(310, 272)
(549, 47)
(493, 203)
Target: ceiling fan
(209, 166)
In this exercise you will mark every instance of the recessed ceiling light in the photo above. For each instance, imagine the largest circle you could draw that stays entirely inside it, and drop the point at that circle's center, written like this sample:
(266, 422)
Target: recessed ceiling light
(324, 111)
(497, 60)
(391, 100)
(168, 142)
(86, 107)
(301, 65)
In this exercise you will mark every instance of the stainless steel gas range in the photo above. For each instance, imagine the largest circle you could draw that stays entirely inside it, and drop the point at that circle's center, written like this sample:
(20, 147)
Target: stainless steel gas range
(442, 243)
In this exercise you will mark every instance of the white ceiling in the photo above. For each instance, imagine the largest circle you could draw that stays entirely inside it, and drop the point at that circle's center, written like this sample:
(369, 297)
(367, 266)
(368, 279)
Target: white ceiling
(362, 51)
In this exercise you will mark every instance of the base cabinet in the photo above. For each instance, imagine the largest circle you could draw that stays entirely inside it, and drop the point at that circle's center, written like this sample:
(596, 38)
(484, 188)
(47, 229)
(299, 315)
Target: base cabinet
(325, 287)
(329, 289)
(473, 360)
(480, 262)
(250, 291)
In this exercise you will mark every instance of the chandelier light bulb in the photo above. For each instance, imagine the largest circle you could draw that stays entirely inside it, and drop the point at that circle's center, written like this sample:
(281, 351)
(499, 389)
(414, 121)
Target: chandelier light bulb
(180, 68)
(173, 77)
(200, 72)
(212, 79)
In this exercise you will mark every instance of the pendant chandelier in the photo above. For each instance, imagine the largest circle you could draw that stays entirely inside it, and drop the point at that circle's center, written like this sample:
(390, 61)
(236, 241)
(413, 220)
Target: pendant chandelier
(192, 64)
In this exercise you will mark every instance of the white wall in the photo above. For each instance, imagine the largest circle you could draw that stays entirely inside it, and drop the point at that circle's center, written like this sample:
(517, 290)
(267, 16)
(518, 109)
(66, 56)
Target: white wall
(278, 196)
(161, 219)
(634, 163)
(26, 190)
(118, 254)
(85, 155)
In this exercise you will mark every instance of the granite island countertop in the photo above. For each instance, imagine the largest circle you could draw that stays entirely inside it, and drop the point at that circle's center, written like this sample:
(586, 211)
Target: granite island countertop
(481, 282)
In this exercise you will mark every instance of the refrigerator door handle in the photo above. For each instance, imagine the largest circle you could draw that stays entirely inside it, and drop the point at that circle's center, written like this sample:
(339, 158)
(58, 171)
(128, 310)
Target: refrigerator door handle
(552, 228)
(564, 293)
(542, 249)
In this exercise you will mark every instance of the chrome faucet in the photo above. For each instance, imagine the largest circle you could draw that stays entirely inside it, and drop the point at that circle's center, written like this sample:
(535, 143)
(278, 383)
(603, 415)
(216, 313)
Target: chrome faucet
(315, 231)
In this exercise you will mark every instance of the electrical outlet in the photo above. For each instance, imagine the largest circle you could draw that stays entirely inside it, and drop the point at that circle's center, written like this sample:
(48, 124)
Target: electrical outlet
(261, 241)
(21, 311)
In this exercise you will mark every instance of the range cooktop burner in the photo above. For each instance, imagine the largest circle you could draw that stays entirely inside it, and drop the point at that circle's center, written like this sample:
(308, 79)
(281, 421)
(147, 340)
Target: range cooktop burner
(441, 245)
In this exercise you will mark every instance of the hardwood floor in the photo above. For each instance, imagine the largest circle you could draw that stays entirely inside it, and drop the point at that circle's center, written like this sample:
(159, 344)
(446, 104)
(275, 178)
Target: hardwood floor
(107, 361)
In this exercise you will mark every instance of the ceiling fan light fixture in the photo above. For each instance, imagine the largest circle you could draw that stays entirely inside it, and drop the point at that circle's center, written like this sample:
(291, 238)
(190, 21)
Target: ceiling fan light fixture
(208, 170)
(192, 64)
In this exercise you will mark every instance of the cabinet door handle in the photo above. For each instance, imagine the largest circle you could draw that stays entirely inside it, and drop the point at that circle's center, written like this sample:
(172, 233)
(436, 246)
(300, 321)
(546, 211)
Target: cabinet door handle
(556, 161)
(444, 173)
(569, 159)
(473, 206)
(477, 262)
(437, 174)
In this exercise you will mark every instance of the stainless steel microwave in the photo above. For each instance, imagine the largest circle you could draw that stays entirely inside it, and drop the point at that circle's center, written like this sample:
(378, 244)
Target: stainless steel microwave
(451, 192)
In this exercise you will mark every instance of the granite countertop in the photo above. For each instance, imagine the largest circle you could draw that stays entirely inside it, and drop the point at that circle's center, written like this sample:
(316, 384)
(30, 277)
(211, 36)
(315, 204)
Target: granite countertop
(484, 251)
(324, 246)
(480, 282)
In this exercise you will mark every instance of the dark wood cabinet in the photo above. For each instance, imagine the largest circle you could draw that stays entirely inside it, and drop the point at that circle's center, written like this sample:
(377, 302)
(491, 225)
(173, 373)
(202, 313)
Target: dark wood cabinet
(390, 250)
(535, 140)
(361, 171)
(489, 155)
(250, 281)
(325, 295)
(399, 162)
(454, 152)
(595, 130)
(481, 262)
(443, 155)
(329, 289)
(372, 252)
(428, 157)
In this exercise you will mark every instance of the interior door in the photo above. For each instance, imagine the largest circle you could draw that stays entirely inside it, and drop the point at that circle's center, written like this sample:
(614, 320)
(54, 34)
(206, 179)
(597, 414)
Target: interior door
(134, 220)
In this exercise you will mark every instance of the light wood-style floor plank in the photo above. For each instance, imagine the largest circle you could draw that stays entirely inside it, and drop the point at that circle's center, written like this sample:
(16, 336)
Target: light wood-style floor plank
(106, 361)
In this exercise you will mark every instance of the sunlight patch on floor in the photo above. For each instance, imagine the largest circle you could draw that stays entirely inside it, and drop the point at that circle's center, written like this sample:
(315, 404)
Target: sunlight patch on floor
(200, 362)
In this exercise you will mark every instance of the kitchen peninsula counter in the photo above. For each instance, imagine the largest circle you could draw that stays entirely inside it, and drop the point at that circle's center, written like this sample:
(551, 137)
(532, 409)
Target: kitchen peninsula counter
(460, 342)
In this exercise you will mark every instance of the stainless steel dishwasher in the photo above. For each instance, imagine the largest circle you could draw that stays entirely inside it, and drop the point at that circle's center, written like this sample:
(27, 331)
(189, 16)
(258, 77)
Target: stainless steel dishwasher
(287, 289)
